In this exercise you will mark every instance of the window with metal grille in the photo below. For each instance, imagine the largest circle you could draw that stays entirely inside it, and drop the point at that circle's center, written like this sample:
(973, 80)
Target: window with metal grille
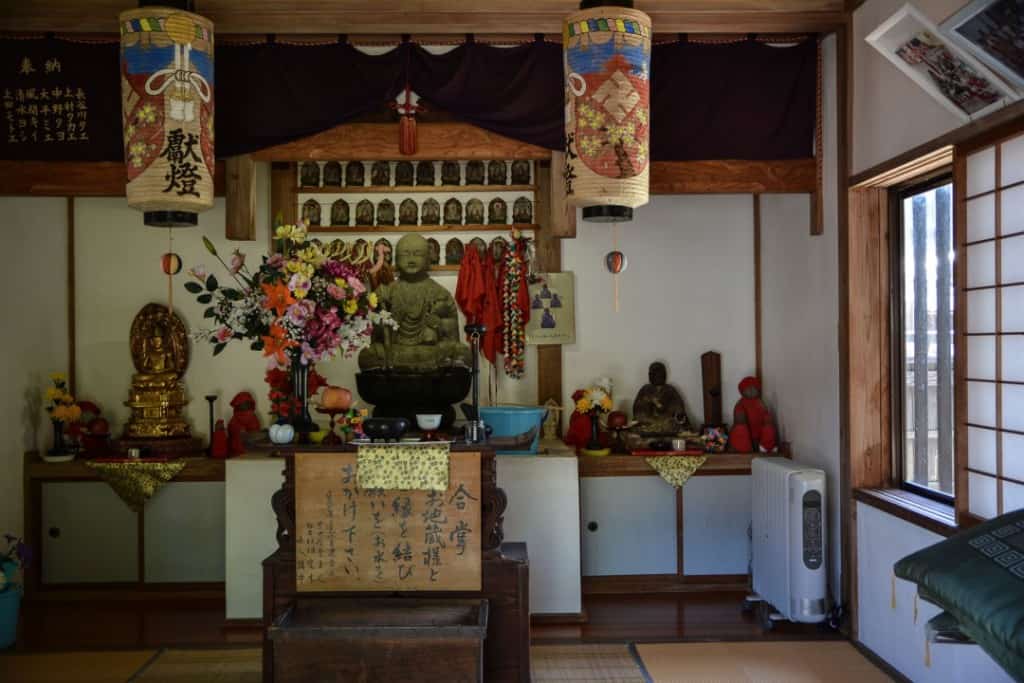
(923, 337)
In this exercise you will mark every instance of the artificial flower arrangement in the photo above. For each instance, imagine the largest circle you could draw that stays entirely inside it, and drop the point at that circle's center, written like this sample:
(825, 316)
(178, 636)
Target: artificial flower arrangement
(63, 410)
(301, 304)
(60, 404)
(16, 557)
(592, 401)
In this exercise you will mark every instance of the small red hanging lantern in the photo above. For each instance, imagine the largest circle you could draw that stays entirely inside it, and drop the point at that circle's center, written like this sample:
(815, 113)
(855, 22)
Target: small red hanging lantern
(616, 262)
(171, 263)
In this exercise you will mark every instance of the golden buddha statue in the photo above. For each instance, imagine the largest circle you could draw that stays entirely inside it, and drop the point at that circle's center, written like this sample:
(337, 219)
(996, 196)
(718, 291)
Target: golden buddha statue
(159, 347)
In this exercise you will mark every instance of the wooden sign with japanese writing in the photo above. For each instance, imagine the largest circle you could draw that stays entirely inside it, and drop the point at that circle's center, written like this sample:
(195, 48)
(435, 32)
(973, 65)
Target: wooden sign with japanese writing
(352, 539)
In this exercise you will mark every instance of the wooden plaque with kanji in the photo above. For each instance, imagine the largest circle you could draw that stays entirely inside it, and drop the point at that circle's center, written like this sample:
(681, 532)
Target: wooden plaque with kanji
(352, 539)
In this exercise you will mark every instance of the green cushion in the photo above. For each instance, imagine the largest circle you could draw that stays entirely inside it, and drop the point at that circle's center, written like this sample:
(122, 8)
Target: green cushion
(978, 577)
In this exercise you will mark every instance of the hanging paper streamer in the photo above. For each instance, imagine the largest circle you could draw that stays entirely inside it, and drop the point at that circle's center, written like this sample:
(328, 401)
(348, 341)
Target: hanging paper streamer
(167, 113)
(607, 61)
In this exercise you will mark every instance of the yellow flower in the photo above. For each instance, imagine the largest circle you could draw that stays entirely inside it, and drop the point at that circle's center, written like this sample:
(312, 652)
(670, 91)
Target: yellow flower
(292, 233)
(299, 293)
(67, 399)
(583, 405)
(351, 306)
(372, 298)
(53, 394)
(606, 404)
(74, 412)
(312, 255)
(58, 377)
(60, 413)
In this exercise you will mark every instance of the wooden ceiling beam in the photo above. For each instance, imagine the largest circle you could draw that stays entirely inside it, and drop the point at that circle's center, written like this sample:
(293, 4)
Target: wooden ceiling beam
(434, 16)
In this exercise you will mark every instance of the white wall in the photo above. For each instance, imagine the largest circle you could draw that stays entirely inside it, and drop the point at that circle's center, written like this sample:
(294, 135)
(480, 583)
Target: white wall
(893, 633)
(35, 343)
(688, 288)
(891, 113)
(800, 332)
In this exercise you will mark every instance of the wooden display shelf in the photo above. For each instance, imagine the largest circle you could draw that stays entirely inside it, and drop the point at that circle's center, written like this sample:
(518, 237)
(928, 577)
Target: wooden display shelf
(471, 227)
(198, 468)
(381, 189)
(636, 465)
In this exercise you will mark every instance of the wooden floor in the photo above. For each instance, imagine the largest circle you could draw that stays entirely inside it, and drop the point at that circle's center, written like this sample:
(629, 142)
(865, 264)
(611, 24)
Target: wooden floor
(76, 622)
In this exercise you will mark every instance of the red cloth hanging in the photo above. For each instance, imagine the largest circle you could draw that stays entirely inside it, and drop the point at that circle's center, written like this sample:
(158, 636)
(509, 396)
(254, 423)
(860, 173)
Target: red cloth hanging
(469, 291)
(491, 343)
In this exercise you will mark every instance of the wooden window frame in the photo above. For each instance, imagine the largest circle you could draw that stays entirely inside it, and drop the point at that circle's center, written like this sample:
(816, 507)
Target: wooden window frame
(897, 395)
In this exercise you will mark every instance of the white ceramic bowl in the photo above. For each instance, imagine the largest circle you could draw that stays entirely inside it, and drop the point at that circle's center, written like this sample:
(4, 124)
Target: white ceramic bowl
(428, 422)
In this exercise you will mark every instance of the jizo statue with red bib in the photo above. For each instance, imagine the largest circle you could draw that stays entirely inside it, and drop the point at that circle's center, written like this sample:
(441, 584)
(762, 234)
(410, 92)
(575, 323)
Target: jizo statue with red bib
(753, 427)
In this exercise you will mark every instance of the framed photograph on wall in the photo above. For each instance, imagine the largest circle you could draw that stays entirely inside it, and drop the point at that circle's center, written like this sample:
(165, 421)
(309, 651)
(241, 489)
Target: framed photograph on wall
(963, 85)
(552, 310)
(993, 31)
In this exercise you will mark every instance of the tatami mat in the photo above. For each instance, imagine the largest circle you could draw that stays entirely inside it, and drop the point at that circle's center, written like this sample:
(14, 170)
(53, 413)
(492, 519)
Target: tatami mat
(599, 663)
(73, 667)
(760, 662)
(242, 665)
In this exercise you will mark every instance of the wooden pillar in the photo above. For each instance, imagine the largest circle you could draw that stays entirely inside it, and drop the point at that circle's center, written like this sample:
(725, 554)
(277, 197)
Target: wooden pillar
(241, 198)
(284, 206)
(562, 216)
(549, 260)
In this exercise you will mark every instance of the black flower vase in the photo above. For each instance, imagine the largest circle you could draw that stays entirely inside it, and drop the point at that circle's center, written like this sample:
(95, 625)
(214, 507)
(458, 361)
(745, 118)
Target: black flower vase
(595, 440)
(301, 419)
(58, 439)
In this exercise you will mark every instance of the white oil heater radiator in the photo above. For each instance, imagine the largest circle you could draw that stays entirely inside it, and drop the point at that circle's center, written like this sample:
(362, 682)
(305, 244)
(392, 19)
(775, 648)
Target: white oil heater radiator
(788, 541)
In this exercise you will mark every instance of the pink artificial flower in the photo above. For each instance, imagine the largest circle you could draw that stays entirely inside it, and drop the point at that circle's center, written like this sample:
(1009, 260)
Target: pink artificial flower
(335, 292)
(223, 335)
(299, 312)
(237, 261)
(299, 283)
(199, 273)
(276, 261)
(356, 284)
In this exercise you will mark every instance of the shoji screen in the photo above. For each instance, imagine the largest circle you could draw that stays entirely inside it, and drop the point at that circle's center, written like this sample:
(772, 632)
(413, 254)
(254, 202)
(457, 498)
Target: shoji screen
(991, 397)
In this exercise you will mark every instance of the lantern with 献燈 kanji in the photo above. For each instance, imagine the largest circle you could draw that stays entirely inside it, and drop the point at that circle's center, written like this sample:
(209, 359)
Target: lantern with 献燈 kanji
(607, 56)
(167, 113)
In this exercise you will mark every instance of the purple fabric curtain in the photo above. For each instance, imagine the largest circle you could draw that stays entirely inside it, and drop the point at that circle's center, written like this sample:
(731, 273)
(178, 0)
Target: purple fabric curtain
(743, 100)
(514, 91)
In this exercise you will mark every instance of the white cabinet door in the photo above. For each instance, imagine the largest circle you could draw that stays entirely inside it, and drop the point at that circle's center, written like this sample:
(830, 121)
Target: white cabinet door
(185, 533)
(251, 532)
(89, 534)
(629, 526)
(716, 520)
(544, 511)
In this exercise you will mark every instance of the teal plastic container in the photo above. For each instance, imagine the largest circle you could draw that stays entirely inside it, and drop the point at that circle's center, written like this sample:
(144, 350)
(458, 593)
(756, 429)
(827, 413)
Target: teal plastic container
(10, 602)
(511, 421)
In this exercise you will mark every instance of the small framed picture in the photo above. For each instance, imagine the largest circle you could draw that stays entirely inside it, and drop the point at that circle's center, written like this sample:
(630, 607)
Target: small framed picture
(963, 85)
(992, 31)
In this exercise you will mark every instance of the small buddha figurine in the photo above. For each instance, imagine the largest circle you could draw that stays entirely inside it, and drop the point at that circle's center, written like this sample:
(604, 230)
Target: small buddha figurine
(427, 337)
(659, 409)
(159, 347)
(753, 428)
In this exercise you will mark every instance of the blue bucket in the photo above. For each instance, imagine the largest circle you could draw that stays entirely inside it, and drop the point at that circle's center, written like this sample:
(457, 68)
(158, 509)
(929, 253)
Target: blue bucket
(10, 601)
(511, 421)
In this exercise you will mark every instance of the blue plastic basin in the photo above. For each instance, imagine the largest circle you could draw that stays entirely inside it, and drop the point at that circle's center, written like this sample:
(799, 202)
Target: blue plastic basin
(507, 421)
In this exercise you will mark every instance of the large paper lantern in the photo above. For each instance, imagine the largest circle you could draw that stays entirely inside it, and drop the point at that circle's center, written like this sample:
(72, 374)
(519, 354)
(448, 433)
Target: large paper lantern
(167, 113)
(607, 52)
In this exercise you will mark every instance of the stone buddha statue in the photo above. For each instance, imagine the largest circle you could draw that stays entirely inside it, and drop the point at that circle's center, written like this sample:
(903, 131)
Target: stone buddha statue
(659, 409)
(159, 347)
(427, 338)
